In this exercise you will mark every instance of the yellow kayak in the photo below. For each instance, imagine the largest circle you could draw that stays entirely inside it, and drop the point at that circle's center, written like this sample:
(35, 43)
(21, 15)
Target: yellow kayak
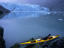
(40, 40)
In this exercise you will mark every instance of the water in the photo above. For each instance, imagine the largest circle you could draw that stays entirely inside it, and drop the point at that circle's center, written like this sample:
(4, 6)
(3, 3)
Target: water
(18, 29)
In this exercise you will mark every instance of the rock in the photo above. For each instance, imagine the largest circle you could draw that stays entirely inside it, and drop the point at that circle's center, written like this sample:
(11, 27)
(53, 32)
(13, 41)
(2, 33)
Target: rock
(58, 43)
(3, 11)
(15, 46)
(2, 41)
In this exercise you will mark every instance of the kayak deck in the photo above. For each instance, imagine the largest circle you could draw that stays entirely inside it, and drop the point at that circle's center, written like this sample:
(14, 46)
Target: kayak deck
(39, 41)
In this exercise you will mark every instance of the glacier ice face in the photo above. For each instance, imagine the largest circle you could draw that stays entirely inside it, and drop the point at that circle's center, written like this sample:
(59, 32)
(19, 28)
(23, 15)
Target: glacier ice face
(24, 10)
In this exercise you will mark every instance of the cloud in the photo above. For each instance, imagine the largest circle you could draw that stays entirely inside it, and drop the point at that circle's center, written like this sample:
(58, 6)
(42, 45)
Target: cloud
(3, 0)
(11, 1)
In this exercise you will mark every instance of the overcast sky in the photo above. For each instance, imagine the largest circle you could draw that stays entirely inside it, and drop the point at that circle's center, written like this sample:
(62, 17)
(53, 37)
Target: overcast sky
(48, 3)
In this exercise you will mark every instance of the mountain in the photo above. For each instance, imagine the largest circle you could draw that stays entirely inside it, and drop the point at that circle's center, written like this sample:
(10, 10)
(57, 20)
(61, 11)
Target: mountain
(3, 11)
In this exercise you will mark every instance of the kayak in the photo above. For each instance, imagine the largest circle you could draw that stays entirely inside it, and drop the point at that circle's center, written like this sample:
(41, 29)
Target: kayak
(40, 40)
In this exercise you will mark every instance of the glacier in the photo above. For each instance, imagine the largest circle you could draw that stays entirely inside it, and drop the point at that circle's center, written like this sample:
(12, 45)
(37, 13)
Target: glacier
(24, 10)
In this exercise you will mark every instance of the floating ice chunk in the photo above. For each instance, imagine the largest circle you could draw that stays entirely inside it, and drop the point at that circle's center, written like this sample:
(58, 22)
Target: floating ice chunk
(60, 19)
(44, 9)
(49, 12)
(55, 12)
